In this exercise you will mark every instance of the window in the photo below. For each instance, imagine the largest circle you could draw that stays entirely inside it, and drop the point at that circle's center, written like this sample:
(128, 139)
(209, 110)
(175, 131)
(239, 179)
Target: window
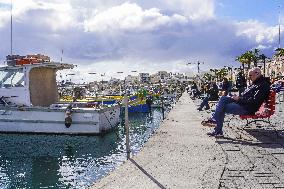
(11, 78)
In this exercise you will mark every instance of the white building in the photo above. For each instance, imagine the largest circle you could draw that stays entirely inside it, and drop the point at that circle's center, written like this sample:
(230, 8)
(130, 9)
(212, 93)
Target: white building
(132, 79)
(160, 76)
(144, 77)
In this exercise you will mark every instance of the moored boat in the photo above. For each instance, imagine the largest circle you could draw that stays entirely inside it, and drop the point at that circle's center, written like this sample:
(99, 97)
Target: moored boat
(29, 102)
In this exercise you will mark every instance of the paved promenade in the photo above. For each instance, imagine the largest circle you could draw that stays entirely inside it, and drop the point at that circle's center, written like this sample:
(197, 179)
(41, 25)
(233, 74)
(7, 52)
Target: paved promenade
(181, 155)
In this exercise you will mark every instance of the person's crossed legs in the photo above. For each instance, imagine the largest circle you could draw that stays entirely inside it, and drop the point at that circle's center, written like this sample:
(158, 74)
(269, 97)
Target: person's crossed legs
(225, 105)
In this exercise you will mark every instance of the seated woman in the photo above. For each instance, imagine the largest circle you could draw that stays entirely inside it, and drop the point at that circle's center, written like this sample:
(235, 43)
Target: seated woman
(212, 95)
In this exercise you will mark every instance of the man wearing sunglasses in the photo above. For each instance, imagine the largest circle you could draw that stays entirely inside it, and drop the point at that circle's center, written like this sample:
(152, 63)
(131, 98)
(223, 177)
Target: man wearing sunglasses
(247, 103)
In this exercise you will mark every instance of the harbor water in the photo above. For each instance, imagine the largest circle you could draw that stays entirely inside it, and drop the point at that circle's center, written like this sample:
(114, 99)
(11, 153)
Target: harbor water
(62, 161)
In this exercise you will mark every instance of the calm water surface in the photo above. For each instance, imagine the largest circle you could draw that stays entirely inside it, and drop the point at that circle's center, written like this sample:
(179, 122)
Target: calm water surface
(55, 161)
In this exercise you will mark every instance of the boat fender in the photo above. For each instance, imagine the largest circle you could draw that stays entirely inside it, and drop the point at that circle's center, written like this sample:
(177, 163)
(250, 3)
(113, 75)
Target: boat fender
(68, 116)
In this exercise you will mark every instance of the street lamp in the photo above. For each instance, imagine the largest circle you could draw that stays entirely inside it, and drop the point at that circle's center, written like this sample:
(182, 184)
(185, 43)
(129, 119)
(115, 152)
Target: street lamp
(198, 64)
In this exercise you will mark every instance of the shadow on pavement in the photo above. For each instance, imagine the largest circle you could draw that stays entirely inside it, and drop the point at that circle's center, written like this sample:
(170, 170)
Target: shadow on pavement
(261, 136)
(147, 174)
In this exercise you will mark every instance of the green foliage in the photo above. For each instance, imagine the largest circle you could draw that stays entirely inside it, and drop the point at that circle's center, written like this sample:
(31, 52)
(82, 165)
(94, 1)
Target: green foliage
(279, 52)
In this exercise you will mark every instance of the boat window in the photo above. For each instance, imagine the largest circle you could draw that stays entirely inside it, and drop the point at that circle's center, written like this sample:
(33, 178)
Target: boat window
(11, 78)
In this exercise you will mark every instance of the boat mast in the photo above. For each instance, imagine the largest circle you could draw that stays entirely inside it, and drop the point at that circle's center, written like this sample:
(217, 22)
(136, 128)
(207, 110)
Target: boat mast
(11, 37)
(279, 27)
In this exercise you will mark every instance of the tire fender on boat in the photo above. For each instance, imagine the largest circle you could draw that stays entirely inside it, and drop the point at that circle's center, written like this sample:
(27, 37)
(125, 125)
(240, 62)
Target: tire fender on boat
(68, 116)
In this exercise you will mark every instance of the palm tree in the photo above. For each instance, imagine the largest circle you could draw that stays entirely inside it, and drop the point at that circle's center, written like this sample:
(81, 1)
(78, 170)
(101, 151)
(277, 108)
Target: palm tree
(208, 77)
(247, 58)
(279, 52)
(221, 73)
(263, 58)
(255, 56)
(241, 60)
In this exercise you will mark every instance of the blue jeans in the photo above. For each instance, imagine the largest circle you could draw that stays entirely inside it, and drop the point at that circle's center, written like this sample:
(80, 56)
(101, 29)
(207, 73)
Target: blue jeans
(204, 103)
(226, 105)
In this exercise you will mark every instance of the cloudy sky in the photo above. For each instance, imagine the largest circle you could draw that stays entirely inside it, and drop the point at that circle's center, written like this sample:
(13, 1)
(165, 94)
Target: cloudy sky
(111, 36)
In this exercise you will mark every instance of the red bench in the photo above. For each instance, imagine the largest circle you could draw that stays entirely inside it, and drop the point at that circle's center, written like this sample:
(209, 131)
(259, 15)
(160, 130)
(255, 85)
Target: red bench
(264, 113)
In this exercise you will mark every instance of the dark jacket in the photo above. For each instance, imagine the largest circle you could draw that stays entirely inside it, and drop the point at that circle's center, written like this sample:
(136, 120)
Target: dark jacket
(241, 81)
(225, 87)
(252, 98)
(213, 93)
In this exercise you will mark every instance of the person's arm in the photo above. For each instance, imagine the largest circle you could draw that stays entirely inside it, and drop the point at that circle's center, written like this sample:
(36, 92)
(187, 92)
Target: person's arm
(259, 96)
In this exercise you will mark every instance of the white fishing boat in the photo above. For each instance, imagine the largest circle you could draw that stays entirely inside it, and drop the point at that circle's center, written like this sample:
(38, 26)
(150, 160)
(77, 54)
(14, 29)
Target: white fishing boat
(29, 103)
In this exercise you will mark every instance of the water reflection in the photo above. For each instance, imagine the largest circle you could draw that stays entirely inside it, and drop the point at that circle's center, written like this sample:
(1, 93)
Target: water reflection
(55, 161)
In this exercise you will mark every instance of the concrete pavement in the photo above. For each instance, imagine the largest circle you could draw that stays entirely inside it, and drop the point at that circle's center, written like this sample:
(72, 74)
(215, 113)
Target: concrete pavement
(178, 155)
(181, 155)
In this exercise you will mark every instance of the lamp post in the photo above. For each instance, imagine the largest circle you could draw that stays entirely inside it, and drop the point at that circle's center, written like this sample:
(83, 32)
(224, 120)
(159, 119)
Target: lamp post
(162, 99)
(126, 127)
(198, 65)
(126, 122)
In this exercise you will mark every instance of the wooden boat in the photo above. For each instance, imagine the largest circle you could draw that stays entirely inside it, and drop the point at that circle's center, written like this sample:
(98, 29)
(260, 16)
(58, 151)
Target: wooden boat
(29, 103)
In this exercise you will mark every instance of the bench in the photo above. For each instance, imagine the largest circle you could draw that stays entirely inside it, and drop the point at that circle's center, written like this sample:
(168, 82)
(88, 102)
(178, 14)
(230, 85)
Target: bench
(264, 113)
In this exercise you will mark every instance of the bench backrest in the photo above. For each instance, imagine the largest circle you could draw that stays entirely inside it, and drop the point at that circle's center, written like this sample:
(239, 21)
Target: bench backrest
(271, 102)
(267, 108)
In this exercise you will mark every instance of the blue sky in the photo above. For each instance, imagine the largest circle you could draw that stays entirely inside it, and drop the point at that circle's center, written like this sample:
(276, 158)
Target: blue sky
(111, 36)
(262, 10)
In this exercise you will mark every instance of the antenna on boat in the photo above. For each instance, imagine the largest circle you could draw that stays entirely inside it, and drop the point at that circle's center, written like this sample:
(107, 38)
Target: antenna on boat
(11, 24)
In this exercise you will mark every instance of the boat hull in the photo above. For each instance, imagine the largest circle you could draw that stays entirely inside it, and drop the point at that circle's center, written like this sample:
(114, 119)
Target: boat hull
(52, 121)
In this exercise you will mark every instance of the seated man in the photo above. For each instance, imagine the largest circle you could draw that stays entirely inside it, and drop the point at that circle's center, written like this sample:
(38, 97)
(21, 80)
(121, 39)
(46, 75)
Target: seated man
(225, 87)
(212, 95)
(247, 103)
(194, 91)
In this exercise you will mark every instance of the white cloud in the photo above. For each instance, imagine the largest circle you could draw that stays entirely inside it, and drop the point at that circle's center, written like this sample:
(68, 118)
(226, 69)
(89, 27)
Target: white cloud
(135, 35)
(194, 9)
(130, 17)
(56, 15)
(257, 31)
(4, 17)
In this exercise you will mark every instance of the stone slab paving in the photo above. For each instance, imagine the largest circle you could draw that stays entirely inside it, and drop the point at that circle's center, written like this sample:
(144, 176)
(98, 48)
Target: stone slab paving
(178, 155)
(255, 154)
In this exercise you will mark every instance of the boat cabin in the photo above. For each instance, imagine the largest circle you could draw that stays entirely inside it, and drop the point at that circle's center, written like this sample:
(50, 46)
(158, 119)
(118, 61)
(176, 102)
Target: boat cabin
(31, 84)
